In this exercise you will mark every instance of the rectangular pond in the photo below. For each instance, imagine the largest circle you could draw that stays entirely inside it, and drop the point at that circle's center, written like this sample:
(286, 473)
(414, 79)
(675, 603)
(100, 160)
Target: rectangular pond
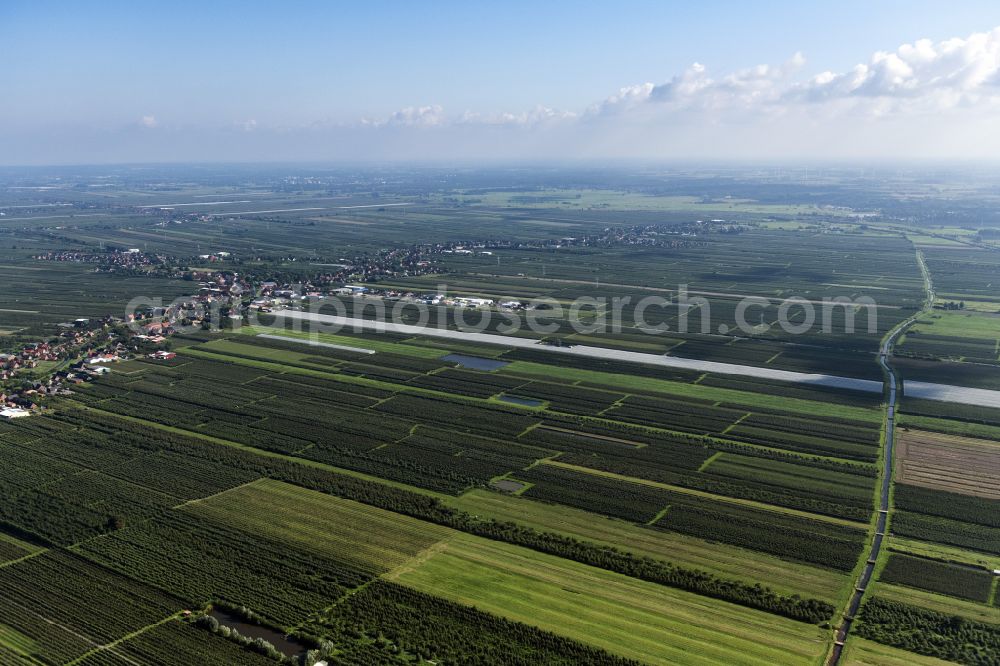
(516, 400)
(475, 362)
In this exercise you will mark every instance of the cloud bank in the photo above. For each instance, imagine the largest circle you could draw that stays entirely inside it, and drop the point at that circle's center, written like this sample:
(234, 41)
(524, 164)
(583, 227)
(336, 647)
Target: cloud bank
(924, 99)
(917, 78)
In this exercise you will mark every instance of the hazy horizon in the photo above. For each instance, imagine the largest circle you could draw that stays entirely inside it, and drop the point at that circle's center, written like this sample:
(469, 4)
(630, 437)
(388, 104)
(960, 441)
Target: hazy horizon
(396, 83)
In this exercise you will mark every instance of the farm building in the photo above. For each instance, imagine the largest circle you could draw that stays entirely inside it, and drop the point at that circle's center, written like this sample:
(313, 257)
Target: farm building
(13, 412)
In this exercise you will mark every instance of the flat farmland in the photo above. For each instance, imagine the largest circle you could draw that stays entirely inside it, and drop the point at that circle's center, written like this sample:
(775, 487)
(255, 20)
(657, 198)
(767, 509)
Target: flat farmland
(726, 561)
(625, 616)
(657, 509)
(363, 536)
(959, 324)
(940, 603)
(862, 652)
(949, 462)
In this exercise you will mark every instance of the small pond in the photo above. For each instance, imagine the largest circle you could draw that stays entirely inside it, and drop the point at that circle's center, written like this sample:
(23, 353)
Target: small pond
(507, 485)
(282, 644)
(515, 400)
(475, 362)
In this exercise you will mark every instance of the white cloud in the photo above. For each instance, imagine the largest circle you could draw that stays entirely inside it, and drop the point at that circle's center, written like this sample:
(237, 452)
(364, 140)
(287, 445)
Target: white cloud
(148, 121)
(694, 88)
(435, 116)
(918, 78)
(411, 116)
(626, 98)
(922, 76)
(538, 115)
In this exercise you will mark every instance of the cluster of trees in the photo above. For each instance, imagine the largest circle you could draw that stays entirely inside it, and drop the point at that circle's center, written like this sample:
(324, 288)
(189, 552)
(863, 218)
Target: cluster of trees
(979, 510)
(282, 581)
(387, 620)
(946, 530)
(805, 501)
(675, 414)
(258, 645)
(927, 632)
(610, 497)
(944, 517)
(843, 430)
(458, 414)
(792, 441)
(955, 580)
(570, 398)
(860, 469)
(785, 536)
(89, 600)
(432, 510)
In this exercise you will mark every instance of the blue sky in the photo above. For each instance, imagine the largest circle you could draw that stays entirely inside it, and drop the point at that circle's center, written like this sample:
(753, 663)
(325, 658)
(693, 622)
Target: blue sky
(136, 81)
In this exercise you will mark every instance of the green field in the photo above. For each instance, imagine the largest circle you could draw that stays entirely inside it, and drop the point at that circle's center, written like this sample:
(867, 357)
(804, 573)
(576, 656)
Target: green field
(362, 535)
(726, 561)
(862, 652)
(625, 616)
(959, 325)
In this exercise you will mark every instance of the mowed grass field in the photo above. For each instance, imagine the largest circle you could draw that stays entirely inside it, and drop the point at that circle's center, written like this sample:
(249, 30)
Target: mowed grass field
(633, 618)
(960, 324)
(949, 462)
(373, 539)
(721, 559)
(862, 652)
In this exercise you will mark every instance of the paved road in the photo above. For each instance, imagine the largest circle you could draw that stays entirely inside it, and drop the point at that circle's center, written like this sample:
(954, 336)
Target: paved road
(815, 379)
